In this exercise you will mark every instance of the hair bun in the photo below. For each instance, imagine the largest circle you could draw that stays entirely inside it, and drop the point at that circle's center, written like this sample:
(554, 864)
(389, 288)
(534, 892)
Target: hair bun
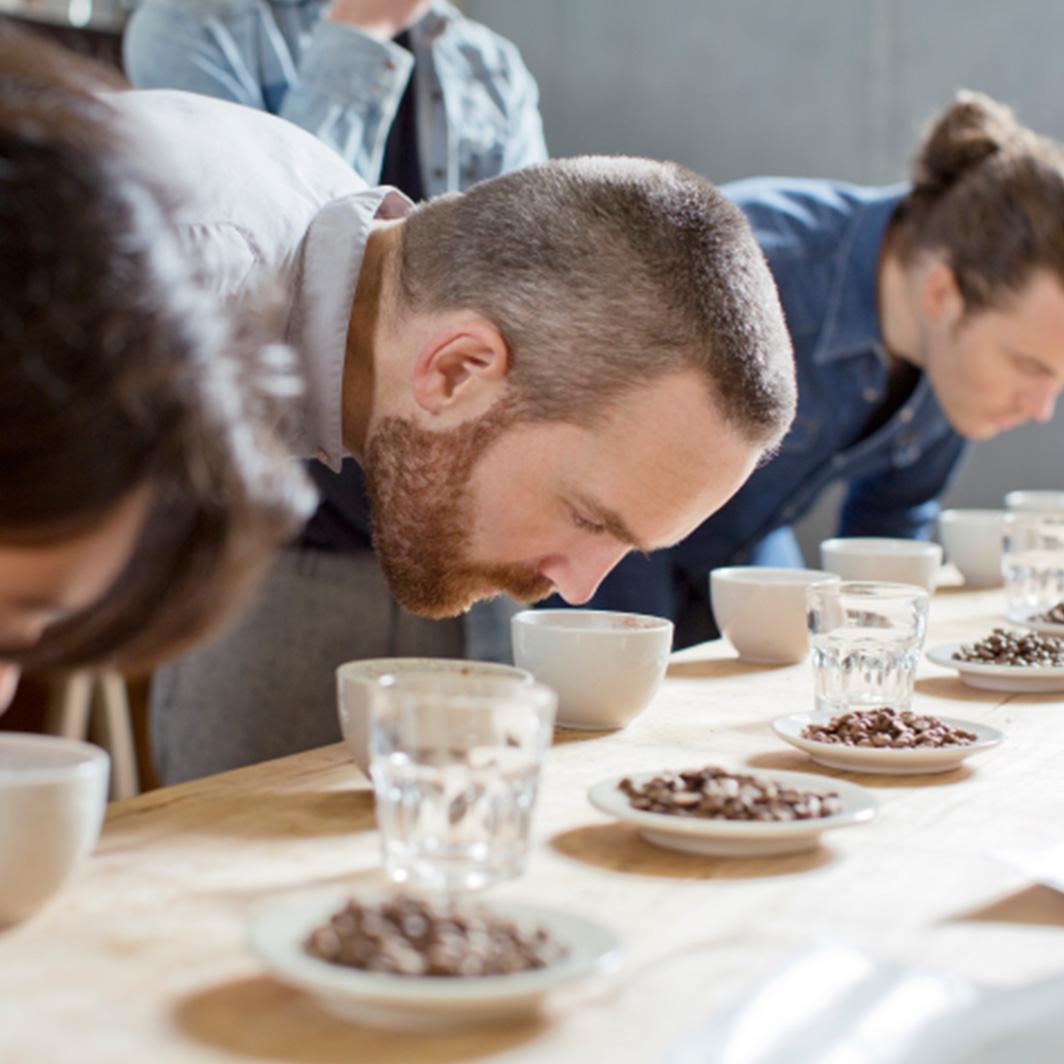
(970, 130)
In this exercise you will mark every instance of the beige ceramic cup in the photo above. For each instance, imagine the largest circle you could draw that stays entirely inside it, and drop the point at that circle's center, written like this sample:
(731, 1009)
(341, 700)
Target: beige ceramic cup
(882, 559)
(354, 680)
(760, 610)
(605, 666)
(972, 540)
(52, 797)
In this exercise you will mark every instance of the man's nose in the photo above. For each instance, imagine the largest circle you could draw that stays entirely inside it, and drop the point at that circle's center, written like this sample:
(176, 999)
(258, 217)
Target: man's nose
(576, 576)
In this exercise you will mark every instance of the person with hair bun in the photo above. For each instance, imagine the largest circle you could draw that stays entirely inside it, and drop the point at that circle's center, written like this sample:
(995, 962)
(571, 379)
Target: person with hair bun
(922, 315)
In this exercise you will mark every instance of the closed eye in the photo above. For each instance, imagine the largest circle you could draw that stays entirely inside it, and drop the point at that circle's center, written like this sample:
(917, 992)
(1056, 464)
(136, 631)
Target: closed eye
(585, 523)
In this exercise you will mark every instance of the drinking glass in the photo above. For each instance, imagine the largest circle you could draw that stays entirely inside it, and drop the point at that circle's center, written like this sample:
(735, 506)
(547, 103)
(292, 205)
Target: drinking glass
(865, 642)
(1032, 563)
(455, 762)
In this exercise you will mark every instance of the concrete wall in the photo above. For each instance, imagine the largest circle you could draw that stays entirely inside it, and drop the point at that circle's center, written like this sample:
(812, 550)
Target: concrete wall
(835, 88)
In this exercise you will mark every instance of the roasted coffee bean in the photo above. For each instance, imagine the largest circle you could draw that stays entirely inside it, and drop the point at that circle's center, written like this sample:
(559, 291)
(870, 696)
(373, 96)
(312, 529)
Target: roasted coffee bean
(407, 936)
(1054, 615)
(886, 728)
(714, 794)
(1021, 649)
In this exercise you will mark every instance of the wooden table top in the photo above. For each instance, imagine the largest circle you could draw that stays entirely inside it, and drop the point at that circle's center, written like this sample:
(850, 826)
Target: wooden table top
(144, 959)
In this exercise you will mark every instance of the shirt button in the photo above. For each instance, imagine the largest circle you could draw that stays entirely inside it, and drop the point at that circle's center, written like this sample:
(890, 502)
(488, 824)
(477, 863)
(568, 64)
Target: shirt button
(439, 172)
(789, 512)
(869, 395)
(388, 64)
(437, 95)
(906, 415)
(838, 461)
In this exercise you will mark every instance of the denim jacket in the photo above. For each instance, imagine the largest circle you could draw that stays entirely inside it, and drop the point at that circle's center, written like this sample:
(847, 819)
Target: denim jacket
(478, 108)
(822, 240)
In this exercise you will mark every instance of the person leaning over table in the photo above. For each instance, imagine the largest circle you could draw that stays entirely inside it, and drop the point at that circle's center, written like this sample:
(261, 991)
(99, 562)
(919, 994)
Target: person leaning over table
(537, 375)
(413, 95)
(143, 486)
(922, 315)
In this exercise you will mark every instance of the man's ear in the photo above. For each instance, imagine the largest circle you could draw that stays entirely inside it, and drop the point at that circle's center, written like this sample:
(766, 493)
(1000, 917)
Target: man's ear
(460, 371)
(940, 299)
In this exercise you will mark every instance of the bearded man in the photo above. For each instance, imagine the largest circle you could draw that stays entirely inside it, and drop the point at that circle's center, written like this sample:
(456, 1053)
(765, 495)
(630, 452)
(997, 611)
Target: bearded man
(537, 376)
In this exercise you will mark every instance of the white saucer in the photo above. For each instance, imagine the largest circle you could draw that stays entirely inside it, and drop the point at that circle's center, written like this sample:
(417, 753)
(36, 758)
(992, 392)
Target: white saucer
(397, 1002)
(737, 838)
(1044, 627)
(1014, 678)
(886, 761)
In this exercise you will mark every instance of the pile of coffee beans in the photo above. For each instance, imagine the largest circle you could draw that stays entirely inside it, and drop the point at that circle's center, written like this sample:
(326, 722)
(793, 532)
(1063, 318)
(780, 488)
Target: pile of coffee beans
(405, 935)
(715, 794)
(1022, 649)
(1054, 615)
(888, 729)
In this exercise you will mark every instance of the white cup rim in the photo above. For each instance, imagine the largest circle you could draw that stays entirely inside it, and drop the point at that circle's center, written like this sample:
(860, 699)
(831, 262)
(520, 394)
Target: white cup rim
(86, 760)
(550, 620)
(351, 670)
(891, 544)
(772, 574)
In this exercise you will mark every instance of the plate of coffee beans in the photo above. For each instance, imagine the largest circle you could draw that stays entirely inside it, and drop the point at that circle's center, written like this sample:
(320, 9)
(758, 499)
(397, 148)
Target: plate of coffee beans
(1048, 621)
(883, 740)
(403, 962)
(720, 812)
(1007, 660)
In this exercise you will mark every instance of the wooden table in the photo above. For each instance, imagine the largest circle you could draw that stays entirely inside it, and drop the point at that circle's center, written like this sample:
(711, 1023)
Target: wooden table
(143, 959)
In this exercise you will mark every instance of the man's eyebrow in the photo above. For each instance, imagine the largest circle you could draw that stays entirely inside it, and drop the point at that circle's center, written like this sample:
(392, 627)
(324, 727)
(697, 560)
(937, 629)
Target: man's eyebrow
(613, 523)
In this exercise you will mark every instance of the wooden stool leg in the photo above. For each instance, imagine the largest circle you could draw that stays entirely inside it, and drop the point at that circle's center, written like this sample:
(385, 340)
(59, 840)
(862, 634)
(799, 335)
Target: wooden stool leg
(118, 726)
(71, 705)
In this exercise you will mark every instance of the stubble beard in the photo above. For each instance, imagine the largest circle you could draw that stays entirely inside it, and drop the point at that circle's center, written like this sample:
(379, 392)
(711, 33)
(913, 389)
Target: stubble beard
(422, 516)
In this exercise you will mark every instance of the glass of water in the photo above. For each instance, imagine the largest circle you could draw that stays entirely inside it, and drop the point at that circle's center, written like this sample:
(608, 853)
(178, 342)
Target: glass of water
(865, 643)
(1032, 563)
(455, 762)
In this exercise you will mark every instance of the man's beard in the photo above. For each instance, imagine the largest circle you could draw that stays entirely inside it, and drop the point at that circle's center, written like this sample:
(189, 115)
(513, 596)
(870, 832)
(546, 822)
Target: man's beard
(419, 490)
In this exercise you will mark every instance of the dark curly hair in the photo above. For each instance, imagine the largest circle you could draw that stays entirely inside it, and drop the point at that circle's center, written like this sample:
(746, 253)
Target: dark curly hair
(119, 373)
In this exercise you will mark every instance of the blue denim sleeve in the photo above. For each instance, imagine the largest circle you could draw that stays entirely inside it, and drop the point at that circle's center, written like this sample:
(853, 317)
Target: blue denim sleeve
(902, 502)
(165, 47)
(347, 92)
(526, 144)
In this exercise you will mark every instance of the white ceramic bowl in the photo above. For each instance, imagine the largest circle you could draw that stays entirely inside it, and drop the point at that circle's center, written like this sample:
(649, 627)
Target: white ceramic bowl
(761, 610)
(605, 666)
(1035, 501)
(52, 797)
(972, 541)
(879, 559)
(354, 680)
(427, 1003)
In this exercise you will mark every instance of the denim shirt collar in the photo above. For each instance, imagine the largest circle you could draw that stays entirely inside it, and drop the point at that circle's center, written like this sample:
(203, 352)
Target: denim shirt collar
(851, 324)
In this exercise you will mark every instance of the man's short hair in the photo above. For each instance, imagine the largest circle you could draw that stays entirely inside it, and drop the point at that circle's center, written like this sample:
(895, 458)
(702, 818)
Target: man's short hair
(603, 273)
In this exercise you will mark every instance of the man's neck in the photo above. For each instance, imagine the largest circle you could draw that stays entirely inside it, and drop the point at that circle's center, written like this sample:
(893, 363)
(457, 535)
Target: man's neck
(363, 337)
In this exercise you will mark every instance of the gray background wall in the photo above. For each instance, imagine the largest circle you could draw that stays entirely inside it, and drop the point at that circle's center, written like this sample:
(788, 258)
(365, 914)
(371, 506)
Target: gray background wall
(832, 88)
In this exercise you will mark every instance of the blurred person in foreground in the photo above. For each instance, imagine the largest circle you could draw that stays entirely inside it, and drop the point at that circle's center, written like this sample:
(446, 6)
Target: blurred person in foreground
(923, 315)
(143, 486)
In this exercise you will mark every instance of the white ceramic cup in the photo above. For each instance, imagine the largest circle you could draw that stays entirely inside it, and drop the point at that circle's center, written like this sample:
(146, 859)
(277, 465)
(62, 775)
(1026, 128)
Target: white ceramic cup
(972, 541)
(1035, 501)
(52, 797)
(355, 678)
(605, 666)
(878, 559)
(761, 610)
